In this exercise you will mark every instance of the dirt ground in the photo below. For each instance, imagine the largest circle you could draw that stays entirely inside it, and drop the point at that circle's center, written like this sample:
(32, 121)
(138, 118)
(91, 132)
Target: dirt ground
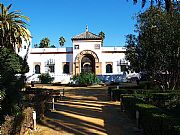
(86, 111)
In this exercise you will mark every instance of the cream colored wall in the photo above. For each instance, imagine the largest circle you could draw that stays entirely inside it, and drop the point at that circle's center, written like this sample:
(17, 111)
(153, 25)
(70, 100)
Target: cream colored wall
(60, 55)
(59, 59)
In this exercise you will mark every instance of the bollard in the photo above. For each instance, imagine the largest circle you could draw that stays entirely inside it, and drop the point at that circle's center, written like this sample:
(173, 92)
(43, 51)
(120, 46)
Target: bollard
(34, 120)
(32, 83)
(63, 92)
(53, 103)
(137, 118)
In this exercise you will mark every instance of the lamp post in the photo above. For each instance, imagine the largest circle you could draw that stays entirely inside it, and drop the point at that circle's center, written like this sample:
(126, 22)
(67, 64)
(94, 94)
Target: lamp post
(34, 120)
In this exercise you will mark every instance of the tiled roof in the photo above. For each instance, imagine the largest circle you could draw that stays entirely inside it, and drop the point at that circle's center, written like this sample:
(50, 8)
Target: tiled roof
(86, 35)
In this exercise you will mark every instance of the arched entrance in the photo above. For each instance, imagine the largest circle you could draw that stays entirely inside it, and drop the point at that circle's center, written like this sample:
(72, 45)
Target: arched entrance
(88, 63)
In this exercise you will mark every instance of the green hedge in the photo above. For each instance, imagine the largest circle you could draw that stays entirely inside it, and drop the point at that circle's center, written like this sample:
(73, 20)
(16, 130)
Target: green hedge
(129, 102)
(155, 122)
(45, 78)
(85, 79)
(164, 100)
(116, 93)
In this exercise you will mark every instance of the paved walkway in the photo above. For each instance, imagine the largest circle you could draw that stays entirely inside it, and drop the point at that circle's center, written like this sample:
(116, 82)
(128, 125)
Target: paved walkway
(87, 111)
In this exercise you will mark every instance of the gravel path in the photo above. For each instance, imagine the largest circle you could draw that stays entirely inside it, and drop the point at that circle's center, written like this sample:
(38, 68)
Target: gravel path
(87, 111)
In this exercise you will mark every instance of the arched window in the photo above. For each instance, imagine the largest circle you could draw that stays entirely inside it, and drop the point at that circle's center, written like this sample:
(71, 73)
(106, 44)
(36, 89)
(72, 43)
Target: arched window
(66, 69)
(37, 69)
(108, 68)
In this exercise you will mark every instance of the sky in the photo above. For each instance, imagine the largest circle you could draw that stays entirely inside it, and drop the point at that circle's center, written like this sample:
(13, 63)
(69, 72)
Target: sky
(68, 18)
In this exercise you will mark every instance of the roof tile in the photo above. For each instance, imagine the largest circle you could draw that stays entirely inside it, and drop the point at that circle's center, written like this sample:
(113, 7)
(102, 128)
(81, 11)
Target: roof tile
(86, 35)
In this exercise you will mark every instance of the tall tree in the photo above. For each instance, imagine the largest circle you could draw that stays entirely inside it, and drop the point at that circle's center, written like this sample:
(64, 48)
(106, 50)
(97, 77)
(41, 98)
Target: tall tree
(62, 41)
(45, 43)
(156, 49)
(169, 4)
(102, 35)
(13, 28)
(133, 52)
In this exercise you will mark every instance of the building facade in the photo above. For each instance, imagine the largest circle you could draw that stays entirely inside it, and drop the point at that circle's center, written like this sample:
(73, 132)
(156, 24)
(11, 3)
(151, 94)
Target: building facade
(86, 55)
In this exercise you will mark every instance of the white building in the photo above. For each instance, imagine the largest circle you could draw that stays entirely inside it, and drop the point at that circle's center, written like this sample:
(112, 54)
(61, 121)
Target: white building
(86, 54)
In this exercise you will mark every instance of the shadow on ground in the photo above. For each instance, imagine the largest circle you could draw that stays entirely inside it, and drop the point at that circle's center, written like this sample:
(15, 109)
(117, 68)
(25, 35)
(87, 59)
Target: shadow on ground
(87, 111)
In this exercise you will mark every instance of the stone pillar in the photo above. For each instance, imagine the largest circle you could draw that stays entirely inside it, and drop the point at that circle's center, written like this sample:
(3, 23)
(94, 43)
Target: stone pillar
(76, 68)
(98, 68)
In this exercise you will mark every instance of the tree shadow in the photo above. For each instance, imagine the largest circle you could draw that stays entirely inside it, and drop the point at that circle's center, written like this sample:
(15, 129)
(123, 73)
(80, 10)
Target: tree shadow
(87, 111)
(117, 122)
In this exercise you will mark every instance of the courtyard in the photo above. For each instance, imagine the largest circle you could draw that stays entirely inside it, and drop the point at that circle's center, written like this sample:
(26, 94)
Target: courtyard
(85, 111)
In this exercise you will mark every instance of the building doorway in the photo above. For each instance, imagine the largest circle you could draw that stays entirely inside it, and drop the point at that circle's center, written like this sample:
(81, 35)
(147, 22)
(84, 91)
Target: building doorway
(88, 63)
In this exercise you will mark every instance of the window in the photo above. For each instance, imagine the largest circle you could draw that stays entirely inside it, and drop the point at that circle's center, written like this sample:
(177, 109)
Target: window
(97, 46)
(66, 68)
(24, 47)
(51, 68)
(76, 46)
(37, 69)
(108, 68)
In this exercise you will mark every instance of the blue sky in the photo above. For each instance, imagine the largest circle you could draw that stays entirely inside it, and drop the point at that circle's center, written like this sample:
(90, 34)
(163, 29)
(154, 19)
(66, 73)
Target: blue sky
(68, 18)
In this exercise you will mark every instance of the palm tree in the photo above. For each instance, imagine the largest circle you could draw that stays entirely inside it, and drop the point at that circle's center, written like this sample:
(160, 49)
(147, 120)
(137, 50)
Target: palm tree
(102, 35)
(52, 46)
(62, 41)
(13, 28)
(45, 43)
(168, 3)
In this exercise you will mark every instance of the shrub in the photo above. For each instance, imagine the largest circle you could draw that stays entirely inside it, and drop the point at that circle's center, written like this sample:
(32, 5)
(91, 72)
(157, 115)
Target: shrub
(2, 95)
(164, 100)
(154, 121)
(177, 129)
(86, 78)
(27, 120)
(116, 93)
(19, 124)
(40, 101)
(45, 78)
(11, 80)
(7, 127)
(129, 102)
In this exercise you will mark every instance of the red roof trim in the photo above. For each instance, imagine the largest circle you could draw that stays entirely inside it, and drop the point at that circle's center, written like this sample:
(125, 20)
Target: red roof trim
(51, 53)
(113, 51)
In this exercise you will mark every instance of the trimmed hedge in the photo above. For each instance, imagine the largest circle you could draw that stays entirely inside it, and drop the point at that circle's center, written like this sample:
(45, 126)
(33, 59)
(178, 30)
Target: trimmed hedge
(116, 93)
(129, 102)
(164, 100)
(155, 122)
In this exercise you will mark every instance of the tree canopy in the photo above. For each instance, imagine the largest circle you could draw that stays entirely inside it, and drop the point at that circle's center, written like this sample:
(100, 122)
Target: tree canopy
(155, 51)
(45, 43)
(13, 28)
(169, 5)
(13, 31)
(61, 41)
(102, 35)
